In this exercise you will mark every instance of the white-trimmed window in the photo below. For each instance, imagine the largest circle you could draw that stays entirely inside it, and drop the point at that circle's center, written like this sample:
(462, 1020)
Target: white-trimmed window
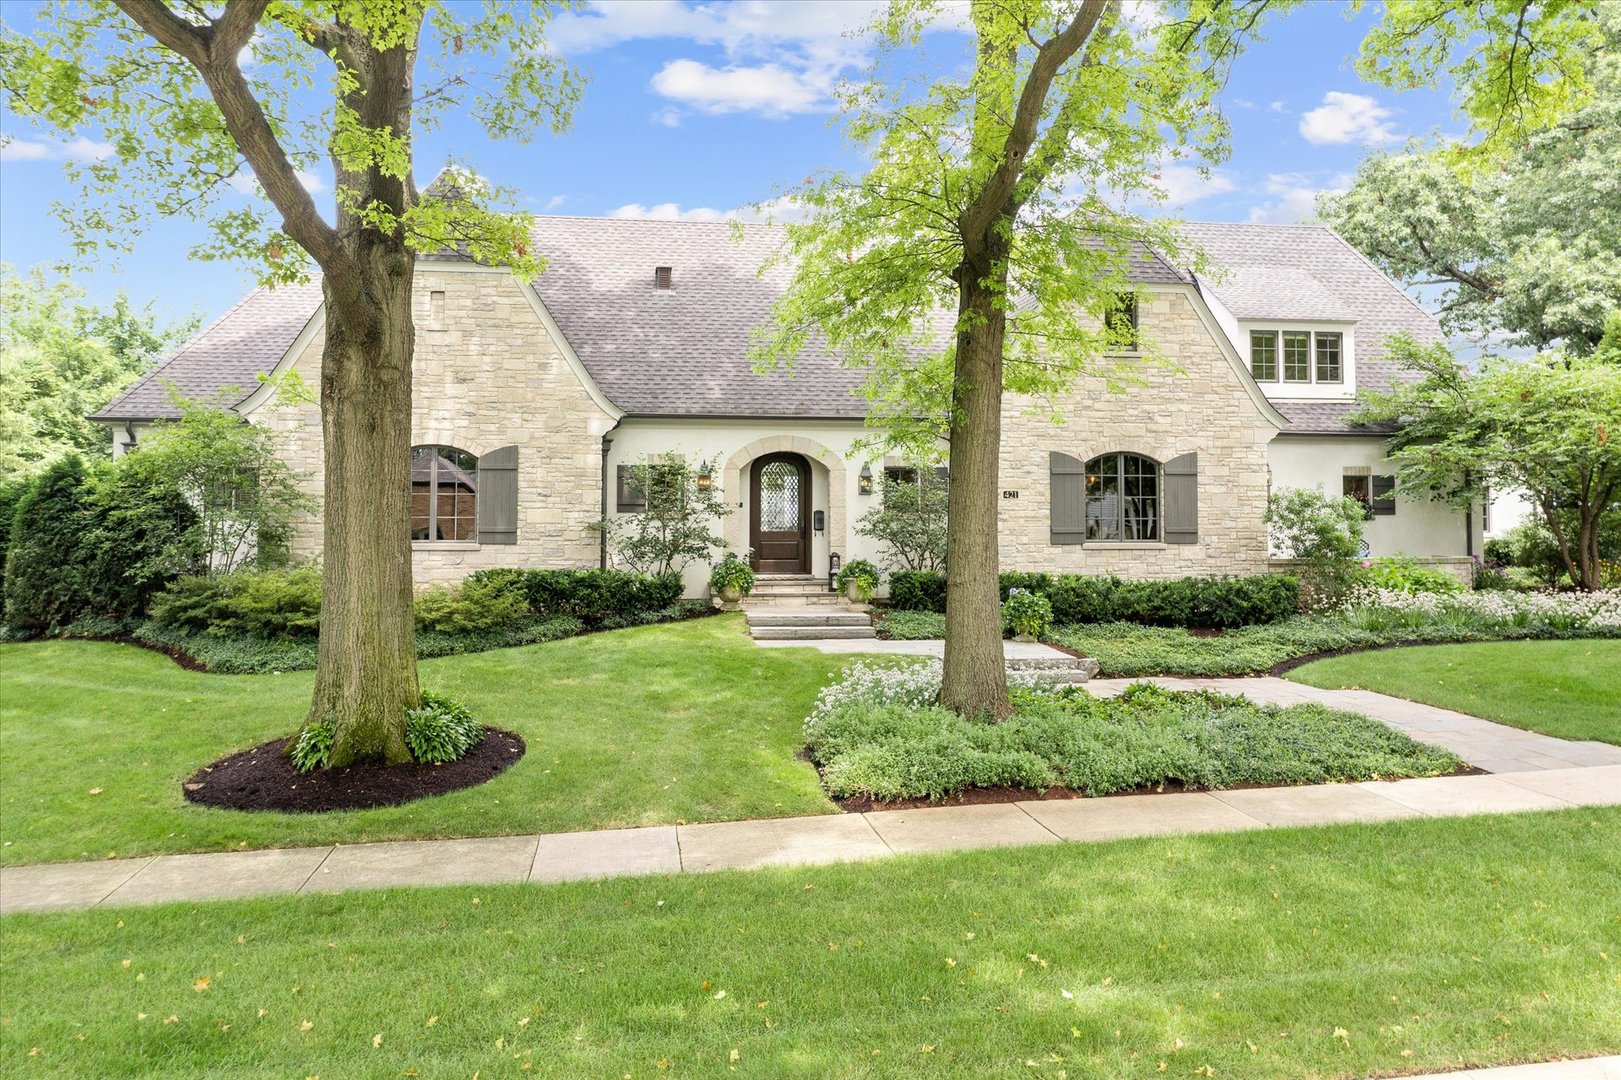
(1302, 357)
(1264, 355)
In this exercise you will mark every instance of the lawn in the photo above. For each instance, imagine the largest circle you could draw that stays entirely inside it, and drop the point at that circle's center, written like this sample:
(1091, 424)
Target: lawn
(679, 722)
(1568, 689)
(1344, 951)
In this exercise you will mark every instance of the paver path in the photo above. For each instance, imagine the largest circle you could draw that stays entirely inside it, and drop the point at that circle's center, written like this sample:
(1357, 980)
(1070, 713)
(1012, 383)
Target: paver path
(726, 845)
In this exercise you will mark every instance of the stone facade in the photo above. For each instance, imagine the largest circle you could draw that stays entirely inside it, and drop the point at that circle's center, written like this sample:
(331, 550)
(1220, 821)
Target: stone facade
(1195, 401)
(488, 374)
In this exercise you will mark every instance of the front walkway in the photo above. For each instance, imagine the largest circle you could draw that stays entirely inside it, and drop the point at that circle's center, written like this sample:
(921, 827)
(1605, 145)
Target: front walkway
(1601, 1068)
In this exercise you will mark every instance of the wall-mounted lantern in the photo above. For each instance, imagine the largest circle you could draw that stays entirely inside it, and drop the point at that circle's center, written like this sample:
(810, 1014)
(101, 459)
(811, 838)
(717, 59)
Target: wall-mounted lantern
(705, 481)
(833, 572)
(864, 484)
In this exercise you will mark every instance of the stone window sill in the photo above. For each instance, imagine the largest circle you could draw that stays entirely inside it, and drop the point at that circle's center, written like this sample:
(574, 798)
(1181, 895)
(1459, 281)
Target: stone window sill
(1122, 545)
(444, 545)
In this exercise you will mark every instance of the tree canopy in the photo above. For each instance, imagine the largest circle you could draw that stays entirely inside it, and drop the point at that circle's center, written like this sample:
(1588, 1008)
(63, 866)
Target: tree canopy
(1525, 246)
(61, 359)
(1549, 427)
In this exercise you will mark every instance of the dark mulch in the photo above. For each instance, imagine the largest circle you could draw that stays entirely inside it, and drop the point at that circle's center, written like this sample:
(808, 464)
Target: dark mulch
(263, 778)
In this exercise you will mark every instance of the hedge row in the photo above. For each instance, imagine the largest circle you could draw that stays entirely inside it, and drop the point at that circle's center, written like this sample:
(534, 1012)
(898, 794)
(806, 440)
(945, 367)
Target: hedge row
(1076, 598)
(592, 596)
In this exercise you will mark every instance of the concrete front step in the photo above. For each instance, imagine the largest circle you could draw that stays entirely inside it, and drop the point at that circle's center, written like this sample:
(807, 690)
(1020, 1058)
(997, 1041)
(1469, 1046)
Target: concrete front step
(810, 633)
(807, 617)
(757, 602)
(809, 588)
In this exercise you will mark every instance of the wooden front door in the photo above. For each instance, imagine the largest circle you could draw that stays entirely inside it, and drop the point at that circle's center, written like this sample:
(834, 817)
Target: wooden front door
(779, 514)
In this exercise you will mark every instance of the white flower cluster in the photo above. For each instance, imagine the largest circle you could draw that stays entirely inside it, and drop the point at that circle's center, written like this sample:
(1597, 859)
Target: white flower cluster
(884, 683)
(1571, 610)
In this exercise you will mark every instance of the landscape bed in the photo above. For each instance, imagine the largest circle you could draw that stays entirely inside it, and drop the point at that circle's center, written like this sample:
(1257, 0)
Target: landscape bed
(878, 739)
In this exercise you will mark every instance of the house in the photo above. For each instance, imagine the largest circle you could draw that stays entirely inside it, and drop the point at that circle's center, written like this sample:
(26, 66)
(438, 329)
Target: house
(532, 400)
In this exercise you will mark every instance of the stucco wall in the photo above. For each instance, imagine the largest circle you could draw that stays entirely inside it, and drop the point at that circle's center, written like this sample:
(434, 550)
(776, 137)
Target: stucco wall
(733, 444)
(487, 375)
(1419, 527)
(1201, 404)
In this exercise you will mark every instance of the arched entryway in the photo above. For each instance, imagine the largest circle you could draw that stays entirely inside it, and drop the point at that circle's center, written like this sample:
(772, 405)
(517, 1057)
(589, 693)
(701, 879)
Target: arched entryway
(779, 514)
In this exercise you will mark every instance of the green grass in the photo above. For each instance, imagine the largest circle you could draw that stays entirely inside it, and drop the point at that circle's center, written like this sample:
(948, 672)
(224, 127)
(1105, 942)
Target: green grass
(1568, 689)
(1345, 951)
(681, 722)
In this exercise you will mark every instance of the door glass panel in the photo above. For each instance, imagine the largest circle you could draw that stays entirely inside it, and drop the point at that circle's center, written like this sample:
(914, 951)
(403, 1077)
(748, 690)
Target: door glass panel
(779, 497)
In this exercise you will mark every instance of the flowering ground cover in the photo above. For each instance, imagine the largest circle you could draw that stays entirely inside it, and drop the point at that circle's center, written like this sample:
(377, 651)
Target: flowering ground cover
(877, 734)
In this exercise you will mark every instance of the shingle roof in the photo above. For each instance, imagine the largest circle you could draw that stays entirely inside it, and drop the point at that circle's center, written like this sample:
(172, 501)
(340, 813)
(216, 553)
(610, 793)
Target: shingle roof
(684, 351)
(1378, 305)
(231, 354)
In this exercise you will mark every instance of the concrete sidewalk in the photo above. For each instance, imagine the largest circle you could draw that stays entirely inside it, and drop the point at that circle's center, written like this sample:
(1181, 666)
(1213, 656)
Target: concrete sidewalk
(671, 849)
(1600, 1068)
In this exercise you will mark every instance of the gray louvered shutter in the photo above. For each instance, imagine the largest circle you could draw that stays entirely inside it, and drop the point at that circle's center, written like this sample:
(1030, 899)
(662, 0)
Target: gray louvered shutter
(1383, 491)
(1181, 518)
(498, 496)
(1067, 493)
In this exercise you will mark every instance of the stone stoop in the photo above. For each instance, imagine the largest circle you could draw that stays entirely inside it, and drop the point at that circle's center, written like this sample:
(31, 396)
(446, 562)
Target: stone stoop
(791, 590)
(1058, 669)
(781, 623)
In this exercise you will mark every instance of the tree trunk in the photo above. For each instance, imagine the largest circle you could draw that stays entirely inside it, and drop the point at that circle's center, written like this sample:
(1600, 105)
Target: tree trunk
(974, 681)
(366, 675)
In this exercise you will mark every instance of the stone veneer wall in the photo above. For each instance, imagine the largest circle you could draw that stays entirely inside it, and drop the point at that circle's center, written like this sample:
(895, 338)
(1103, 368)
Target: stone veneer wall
(487, 375)
(1202, 407)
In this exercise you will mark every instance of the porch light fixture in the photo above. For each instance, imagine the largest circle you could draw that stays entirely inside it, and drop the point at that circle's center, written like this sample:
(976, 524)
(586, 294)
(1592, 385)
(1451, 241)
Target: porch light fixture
(864, 485)
(833, 572)
(705, 481)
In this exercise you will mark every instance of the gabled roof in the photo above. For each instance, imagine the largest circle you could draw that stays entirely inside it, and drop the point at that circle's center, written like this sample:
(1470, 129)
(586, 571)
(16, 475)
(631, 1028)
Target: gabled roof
(683, 351)
(1251, 254)
(226, 359)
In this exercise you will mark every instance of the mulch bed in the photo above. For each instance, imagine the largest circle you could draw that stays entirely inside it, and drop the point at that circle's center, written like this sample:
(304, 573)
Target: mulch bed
(263, 778)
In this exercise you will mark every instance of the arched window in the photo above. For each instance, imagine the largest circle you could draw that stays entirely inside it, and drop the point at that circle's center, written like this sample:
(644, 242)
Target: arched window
(1122, 498)
(444, 494)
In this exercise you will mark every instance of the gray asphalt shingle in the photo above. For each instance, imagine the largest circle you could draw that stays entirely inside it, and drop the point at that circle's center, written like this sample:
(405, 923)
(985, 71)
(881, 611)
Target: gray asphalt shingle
(684, 351)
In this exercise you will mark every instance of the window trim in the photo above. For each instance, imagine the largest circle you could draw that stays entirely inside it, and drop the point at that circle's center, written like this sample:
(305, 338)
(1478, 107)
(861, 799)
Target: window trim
(1318, 339)
(436, 460)
(1273, 334)
(1283, 357)
(1157, 499)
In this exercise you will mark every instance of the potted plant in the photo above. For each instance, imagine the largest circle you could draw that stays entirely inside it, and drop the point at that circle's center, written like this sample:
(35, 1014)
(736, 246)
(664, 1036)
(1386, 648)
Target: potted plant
(1027, 614)
(731, 579)
(857, 579)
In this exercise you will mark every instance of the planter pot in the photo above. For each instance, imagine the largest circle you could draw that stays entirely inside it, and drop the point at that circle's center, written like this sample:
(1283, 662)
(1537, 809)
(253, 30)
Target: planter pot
(853, 593)
(1024, 637)
(731, 594)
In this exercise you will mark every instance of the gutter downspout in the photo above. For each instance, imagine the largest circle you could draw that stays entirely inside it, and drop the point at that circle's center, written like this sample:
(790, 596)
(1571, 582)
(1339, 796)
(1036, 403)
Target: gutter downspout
(607, 445)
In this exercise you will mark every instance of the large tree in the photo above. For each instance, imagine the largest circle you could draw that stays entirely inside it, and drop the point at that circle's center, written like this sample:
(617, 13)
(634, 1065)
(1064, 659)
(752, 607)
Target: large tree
(987, 243)
(62, 358)
(191, 96)
(1550, 427)
(1525, 242)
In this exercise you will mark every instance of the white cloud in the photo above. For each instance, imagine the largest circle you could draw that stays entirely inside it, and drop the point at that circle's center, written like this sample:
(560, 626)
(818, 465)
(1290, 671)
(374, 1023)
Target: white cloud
(669, 116)
(24, 150)
(556, 201)
(1344, 118)
(1294, 197)
(245, 183)
(80, 149)
(768, 89)
(784, 208)
(1277, 106)
(1184, 184)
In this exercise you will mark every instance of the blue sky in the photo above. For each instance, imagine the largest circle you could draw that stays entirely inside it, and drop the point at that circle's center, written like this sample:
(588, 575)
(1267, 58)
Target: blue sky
(698, 109)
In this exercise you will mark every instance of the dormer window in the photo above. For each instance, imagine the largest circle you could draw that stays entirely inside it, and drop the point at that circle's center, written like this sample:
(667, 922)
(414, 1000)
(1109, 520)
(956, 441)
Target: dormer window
(1301, 357)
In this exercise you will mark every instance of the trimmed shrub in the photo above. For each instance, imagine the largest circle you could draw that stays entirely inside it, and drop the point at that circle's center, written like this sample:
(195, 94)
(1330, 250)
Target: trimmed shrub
(1219, 602)
(11, 494)
(253, 603)
(592, 596)
(472, 607)
(45, 580)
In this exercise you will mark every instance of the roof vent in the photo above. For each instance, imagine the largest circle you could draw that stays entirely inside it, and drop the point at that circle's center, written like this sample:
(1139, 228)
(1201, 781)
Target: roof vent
(662, 277)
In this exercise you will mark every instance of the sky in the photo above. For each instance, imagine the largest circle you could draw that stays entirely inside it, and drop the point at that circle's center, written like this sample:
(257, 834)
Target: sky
(698, 109)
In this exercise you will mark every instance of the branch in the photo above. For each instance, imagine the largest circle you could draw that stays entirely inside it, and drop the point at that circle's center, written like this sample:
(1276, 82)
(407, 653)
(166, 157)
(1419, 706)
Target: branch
(213, 50)
(991, 203)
